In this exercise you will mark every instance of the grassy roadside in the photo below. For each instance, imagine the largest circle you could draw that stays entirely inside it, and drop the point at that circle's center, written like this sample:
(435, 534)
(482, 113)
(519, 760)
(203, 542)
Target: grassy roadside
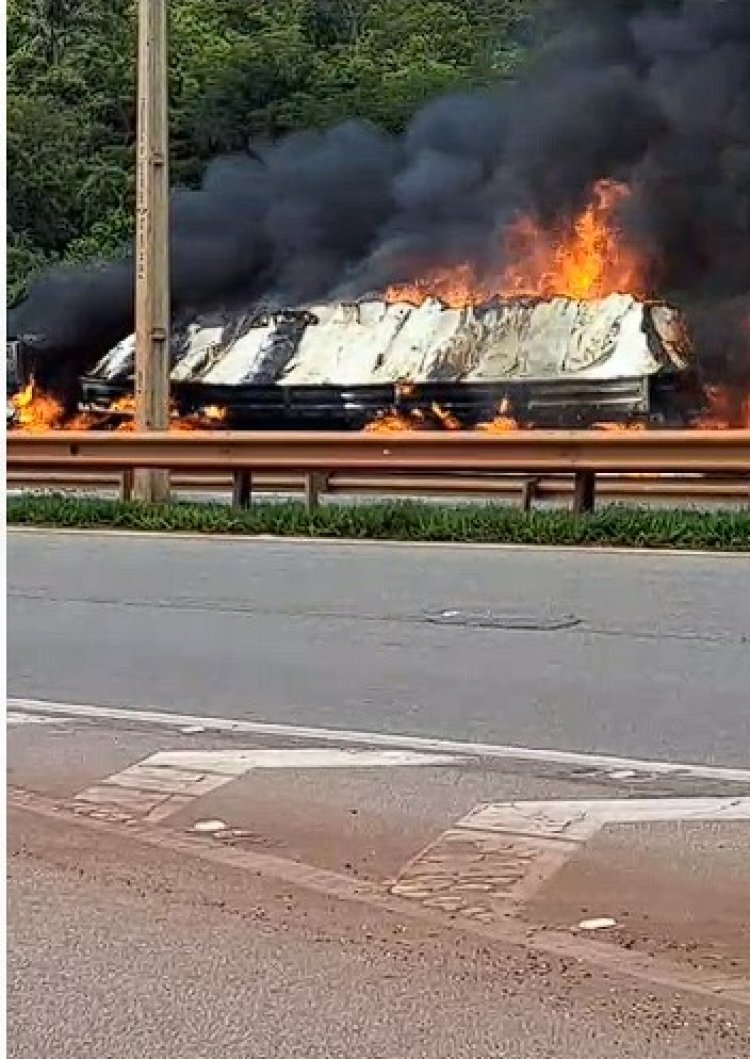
(400, 521)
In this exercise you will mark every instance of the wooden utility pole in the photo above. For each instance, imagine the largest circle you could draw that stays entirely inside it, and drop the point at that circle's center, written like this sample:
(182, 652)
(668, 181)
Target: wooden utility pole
(152, 308)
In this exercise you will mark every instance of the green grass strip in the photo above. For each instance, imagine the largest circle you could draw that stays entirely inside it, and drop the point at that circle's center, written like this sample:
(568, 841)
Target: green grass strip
(613, 526)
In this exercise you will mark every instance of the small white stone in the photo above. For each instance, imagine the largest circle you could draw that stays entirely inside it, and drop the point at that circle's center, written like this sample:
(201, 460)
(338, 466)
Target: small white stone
(209, 825)
(602, 923)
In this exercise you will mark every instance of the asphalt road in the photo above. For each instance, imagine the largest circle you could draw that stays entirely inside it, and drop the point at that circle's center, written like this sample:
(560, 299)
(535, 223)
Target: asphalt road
(115, 952)
(129, 939)
(631, 654)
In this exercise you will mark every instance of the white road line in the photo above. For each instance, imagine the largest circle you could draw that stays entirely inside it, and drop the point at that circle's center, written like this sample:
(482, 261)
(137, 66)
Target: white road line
(169, 780)
(600, 763)
(498, 856)
(237, 762)
(16, 717)
(358, 544)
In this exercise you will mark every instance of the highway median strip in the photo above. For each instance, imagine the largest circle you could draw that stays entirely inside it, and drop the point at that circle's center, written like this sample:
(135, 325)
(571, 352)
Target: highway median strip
(614, 526)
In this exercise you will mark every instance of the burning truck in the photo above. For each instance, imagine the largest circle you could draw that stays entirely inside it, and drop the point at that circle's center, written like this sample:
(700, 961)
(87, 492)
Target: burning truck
(568, 250)
(544, 363)
(555, 363)
(557, 341)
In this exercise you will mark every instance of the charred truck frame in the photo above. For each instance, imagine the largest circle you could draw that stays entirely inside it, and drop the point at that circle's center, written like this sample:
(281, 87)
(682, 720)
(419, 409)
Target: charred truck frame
(547, 363)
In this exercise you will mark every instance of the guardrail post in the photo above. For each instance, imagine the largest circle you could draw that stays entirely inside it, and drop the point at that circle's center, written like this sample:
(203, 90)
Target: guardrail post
(584, 496)
(529, 493)
(242, 489)
(126, 485)
(315, 484)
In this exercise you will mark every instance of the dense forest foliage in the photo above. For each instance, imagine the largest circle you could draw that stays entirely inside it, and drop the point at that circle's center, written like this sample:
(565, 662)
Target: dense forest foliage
(241, 71)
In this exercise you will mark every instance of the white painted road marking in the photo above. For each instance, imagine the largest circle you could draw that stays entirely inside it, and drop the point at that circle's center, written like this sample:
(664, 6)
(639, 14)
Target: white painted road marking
(613, 960)
(14, 717)
(498, 856)
(605, 764)
(237, 762)
(170, 780)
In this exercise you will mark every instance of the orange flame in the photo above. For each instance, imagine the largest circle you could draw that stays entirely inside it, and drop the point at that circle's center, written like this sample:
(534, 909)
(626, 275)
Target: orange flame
(83, 421)
(502, 422)
(590, 260)
(214, 413)
(394, 422)
(126, 406)
(727, 410)
(35, 411)
(208, 418)
(446, 419)
(455, 287)
(594, 261)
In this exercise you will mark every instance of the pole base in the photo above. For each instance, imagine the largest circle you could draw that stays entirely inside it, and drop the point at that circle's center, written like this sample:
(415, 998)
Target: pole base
(151, 487)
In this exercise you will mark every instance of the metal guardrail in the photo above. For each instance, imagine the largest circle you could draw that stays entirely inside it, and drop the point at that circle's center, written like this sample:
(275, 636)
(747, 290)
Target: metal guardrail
(455, 463)
(522, 489)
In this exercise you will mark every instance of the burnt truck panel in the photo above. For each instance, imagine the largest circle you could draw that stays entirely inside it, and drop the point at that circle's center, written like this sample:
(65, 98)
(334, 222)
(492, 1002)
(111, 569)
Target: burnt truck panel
(548, 363)
(18, 374)
(18, 366)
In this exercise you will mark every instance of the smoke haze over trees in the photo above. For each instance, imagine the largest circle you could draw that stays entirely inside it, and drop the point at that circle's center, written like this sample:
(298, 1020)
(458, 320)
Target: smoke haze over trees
(241, 71)
(656, 94)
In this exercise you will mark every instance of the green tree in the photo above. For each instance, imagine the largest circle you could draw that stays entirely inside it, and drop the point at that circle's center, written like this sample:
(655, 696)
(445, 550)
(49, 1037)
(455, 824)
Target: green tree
(240, 70)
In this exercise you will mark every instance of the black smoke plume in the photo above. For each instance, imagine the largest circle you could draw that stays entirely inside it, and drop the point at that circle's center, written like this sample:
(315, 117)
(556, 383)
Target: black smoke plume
(655, 94)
